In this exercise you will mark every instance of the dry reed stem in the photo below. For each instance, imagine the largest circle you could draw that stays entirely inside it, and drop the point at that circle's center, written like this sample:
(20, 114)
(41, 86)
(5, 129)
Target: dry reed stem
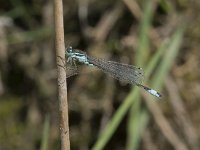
(62, 85)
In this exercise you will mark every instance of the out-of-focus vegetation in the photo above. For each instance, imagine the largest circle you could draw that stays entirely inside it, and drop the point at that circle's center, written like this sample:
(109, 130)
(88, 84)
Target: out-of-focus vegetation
(161, 36)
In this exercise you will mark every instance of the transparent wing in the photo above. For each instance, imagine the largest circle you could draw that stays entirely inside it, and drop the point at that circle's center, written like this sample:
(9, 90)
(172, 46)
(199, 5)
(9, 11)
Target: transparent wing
(76, 68)
(122, 72)
(71, 71)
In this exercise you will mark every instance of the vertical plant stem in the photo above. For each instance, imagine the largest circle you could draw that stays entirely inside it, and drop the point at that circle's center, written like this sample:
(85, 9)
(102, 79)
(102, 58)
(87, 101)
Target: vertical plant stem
(62, 85)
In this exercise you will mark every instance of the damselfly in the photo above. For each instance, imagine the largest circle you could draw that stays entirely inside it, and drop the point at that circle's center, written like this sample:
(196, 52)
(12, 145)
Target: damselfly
(123, 72)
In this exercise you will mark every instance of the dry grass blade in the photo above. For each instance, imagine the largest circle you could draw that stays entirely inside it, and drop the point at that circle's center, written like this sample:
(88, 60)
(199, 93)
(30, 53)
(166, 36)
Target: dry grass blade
(182, 116)
(107, 22)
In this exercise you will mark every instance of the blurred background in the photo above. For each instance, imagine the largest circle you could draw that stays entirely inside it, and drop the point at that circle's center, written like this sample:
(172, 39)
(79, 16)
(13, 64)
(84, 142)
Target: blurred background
(161, 36)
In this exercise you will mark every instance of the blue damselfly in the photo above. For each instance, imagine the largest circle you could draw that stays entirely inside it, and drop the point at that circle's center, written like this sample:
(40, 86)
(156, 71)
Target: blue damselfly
(123, 72)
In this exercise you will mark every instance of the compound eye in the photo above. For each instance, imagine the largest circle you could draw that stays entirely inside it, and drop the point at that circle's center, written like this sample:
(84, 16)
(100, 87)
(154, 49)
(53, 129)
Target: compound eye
(69, 49)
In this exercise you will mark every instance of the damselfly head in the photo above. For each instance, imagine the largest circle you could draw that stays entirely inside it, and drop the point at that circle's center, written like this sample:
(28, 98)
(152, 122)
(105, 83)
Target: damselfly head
(69, 49)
